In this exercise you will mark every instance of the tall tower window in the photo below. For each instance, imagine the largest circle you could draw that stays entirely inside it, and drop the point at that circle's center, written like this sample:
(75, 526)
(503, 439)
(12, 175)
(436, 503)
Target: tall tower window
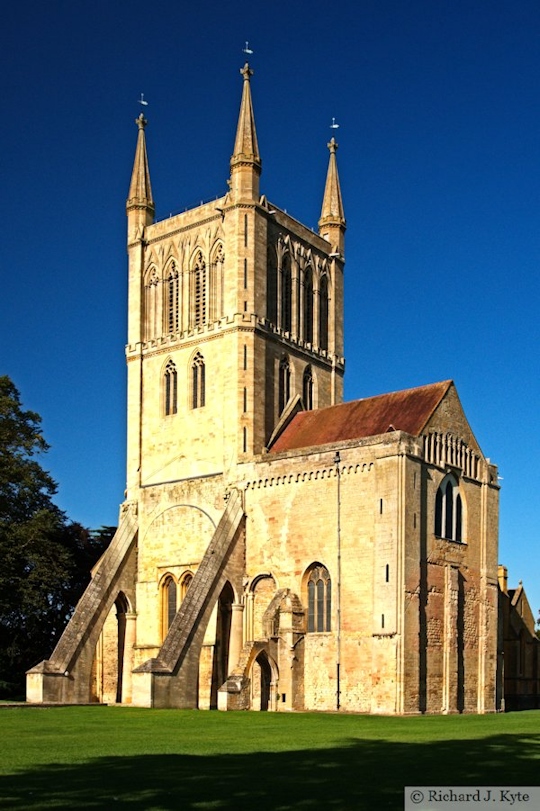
(286, 294)
(307, 388)
(198, 383)
(284, 383)
(308, 306)
(199, 291)
(216, 284)
(171, 389)
(323, 312)
(449, 511)
(271, 285)
(173, 296)
(151, 305)
(319, 594)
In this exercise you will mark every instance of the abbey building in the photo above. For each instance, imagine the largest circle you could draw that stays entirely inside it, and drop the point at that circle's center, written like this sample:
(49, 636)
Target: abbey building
(278, 549)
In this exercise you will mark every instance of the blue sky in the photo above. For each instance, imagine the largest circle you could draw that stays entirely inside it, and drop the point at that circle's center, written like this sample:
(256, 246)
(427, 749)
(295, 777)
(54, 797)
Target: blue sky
(438, 103)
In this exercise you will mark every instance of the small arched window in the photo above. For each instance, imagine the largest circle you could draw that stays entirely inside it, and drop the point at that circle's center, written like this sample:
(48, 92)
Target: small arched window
(198, 382)
(319, 594)
(173, 299)
(284, 386)
(449, 511)
(307, 388)
(169, 603)
(308, 306)
(286, 294)
(171, 389)
(323, 312)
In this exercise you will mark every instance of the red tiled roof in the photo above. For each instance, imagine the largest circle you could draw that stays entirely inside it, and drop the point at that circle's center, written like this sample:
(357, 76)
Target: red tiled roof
(407, 410)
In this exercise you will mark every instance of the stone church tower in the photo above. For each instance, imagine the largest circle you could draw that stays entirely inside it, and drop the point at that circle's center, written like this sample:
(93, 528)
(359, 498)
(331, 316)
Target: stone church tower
(277, 549)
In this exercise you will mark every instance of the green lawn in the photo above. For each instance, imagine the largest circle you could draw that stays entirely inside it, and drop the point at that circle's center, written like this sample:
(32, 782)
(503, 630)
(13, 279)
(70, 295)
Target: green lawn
(159, 760)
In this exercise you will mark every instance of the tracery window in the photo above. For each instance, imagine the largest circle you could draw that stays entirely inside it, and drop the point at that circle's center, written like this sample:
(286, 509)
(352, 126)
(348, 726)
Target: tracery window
(169, 603)
(284, 383)
(307, 388)
(449, 511)
(198, 382)
(171, 389)
(308, 306)
(286, 294)
(199, 291)
(319, 593)
(323, 312)
(173, 299)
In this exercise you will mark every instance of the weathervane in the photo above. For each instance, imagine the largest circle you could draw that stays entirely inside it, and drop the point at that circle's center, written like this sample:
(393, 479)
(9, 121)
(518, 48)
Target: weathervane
(142, 101)
(333, 125)
(246, 49)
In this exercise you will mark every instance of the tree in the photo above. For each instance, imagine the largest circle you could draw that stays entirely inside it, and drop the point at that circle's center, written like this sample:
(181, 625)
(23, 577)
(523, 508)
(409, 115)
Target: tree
(45, 560)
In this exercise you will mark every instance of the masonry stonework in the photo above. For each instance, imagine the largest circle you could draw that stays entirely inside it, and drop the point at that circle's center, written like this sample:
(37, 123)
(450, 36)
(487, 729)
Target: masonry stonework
(278, 549)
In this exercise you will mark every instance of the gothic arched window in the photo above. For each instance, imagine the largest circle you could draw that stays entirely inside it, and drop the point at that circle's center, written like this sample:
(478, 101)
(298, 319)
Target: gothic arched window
(173, 299)
(323, 312)
(284, 383)
(171, 389)
(199, 291)
(307, 388)
(308, 306)
(151, 305)
(198, 382)
(319, 594)
(216, 284)
(169, 603)
(286, 294)
(185, 583)
(449, 511)
(271, 285)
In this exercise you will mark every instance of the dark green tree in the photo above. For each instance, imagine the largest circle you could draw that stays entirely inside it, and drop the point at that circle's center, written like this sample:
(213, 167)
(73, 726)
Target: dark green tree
(45, 560)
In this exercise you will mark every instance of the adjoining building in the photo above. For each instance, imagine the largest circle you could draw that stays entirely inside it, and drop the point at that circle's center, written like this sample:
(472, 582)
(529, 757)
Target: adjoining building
(278, 548)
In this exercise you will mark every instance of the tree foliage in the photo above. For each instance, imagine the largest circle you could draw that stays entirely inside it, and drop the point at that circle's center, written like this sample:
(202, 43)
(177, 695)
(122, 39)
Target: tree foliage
(45, 559)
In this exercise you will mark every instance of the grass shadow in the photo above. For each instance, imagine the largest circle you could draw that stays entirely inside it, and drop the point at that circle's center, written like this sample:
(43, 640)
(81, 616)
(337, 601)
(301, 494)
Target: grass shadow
(359, 775)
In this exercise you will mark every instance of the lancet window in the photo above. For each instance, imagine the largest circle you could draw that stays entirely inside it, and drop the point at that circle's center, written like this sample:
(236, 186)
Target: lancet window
(319, 594)
(169, 603)
(307, 388)
(185, 584)
(308, 306)
(173, 299)
(151, 305)
(323, 312)
(198, 382)
(216, 283)
(449, 511)
(284, 383)
(286, 294)
(199, 291)
(171, 389)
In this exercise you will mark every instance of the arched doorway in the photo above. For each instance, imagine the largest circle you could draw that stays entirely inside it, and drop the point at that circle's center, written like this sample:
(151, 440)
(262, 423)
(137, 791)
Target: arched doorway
(264, 678)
